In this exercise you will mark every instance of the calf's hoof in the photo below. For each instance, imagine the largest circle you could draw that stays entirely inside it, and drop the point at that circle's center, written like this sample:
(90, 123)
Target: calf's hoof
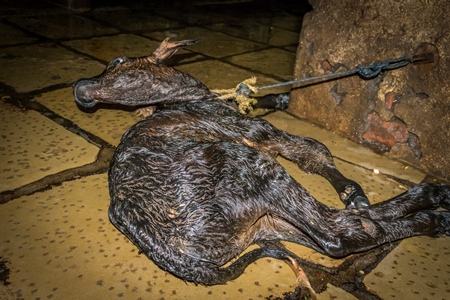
(358, 202)
(354, 198)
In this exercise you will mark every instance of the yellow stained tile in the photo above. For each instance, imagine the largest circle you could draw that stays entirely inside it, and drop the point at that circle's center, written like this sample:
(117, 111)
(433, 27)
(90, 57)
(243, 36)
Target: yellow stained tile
(333, 292)
(280, 37)
(258, 33)
(33, 146)
(36, 67)
(194, 15)
(63, 25)
(218, 75)
(276, 62)
(109, 47)
(286, 21)
(107, 123)
(212, 43)
(11, 35)
(419, 268)
(136, 20)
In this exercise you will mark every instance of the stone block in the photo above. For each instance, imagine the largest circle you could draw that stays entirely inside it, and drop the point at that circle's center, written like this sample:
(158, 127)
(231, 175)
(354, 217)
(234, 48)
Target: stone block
(404, 113)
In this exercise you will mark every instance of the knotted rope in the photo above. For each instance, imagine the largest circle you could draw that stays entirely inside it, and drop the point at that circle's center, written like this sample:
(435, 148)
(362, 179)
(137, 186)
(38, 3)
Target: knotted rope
(241, 94)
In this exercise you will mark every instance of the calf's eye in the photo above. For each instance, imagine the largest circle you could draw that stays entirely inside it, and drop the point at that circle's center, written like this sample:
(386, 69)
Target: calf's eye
(117, 61)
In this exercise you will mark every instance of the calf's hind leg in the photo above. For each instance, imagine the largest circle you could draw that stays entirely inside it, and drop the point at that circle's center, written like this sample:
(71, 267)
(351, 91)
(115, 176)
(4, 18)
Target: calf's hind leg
(424, 196)
(342, 232)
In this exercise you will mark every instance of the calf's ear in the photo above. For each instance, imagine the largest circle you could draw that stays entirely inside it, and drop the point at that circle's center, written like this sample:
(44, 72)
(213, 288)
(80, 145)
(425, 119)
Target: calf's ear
(166, 49)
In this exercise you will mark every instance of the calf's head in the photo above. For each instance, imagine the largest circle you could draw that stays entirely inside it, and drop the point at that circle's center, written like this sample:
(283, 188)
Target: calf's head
(141, 81)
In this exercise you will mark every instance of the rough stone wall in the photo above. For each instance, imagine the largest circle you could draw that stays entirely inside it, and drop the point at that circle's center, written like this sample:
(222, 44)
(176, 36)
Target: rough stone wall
(405, 112)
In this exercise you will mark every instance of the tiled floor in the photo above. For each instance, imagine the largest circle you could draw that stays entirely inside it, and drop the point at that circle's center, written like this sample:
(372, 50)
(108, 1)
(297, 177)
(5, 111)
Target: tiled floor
(55, 238)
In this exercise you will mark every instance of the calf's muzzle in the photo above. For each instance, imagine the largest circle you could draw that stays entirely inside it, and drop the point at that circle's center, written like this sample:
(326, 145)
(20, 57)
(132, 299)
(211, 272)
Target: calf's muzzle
(82, 92)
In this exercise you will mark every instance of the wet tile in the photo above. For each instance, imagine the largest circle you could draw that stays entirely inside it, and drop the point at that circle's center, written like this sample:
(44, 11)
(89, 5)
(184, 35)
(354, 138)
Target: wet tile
(29, 7)
(281, 37)
(291, 48)
(258, 33)
(418, 268)
(57, 26)
(347, 150)
(59, 244)
(278, 19)
(28, 68)
(266, 14)
(217, 75)
(194, 15)
(333, 292)
(137, 20)
(275, 62)
(109, 47)
(33, 67)
(108, 123)
(182, 57)
(11, 35)
(211, 43)
(33, 146)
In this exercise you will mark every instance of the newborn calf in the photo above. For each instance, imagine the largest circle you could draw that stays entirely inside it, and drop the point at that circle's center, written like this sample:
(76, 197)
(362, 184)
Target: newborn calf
(196, 183)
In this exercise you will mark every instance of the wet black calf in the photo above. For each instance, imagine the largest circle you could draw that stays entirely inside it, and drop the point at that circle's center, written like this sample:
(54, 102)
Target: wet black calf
(194, 184)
